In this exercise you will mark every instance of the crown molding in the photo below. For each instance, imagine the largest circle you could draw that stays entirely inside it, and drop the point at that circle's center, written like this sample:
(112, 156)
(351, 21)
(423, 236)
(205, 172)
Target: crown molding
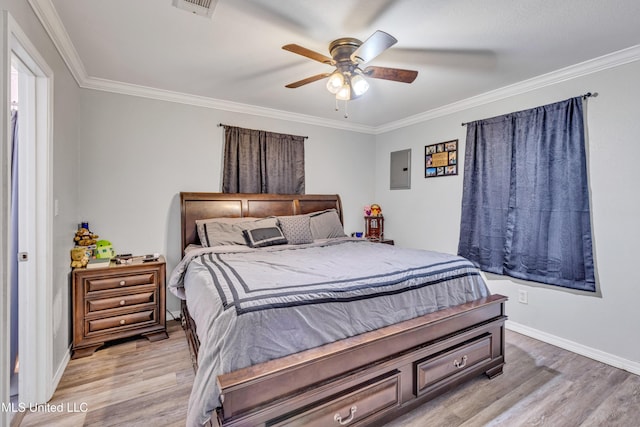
(218, 104)
(48, 16)
(50, 19)
(595, 65)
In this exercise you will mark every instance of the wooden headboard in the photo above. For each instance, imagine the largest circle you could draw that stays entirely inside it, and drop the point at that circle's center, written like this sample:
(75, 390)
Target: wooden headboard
(195, 206)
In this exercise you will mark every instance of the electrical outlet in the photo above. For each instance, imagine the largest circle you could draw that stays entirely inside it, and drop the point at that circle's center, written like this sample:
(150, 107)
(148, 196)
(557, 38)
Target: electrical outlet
(523, 297)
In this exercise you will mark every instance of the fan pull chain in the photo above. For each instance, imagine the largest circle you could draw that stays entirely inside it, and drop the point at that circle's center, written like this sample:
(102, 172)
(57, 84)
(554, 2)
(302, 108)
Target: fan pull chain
(346, 113)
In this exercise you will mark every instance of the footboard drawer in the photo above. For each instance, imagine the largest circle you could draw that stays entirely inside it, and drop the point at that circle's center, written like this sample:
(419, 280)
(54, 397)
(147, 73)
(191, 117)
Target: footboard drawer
(354, 407)
(440, 367)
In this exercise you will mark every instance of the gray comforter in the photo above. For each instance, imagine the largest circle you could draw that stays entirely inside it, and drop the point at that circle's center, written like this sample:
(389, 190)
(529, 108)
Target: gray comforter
(254, 305)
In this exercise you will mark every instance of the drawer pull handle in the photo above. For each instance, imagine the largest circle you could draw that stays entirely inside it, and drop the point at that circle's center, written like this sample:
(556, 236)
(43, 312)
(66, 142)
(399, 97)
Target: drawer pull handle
(122, 283)
(122, 302)
(122, 322)
(352, 415)
(462, 364)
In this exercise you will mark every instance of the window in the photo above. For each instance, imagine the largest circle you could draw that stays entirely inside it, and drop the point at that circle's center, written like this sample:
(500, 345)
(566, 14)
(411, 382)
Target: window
(525, 205)
(257, 161)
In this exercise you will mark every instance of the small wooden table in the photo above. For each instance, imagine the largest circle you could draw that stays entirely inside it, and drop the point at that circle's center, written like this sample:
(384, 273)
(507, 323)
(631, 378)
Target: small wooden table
(118, 301)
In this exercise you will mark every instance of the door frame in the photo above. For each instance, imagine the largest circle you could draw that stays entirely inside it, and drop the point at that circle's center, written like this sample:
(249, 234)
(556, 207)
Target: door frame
(35, 323)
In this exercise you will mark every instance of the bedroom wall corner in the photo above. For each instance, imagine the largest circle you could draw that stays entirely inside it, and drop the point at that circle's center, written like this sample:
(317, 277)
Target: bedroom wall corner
(428, 215)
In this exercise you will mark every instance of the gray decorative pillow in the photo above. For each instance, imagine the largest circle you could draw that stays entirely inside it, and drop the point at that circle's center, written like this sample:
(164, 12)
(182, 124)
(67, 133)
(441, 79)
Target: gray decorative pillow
(221, 233)
(326, 224)
(202, 223)
(260, 237)
(296, 229)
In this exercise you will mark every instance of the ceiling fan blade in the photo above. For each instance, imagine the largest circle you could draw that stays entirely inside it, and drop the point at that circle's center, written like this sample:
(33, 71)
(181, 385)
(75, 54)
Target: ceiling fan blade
(377, 43)
(308, 53)
(307, 80)
(395, 74)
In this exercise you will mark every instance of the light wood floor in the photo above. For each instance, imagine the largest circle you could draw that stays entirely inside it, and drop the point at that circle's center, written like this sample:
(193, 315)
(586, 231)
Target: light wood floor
(138, 383)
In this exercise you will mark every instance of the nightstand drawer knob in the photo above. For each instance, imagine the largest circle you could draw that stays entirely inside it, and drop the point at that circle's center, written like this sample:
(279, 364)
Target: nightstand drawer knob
(122, 322)
(122, 283)
(122, 302)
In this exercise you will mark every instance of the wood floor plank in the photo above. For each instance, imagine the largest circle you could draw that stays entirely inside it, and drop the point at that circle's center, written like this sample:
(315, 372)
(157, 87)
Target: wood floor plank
(619, 407)
(142, 383)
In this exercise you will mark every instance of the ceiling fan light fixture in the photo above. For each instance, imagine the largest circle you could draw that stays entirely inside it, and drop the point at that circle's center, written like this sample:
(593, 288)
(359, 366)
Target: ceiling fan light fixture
(344, 94)
(335, 82)
(359, 85)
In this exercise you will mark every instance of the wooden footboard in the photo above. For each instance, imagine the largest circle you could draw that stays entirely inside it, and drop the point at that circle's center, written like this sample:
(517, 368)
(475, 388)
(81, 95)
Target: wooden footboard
(370, 378)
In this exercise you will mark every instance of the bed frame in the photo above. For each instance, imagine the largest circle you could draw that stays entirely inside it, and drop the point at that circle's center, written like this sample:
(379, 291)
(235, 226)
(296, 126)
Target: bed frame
(368, 379)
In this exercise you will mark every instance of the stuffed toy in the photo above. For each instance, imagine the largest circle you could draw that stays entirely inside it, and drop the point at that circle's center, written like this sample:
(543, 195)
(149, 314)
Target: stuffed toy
(79, 258)
(84, 237)
(376, 210)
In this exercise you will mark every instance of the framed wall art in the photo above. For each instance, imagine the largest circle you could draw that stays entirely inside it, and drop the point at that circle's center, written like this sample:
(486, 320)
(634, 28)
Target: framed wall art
(441, 159)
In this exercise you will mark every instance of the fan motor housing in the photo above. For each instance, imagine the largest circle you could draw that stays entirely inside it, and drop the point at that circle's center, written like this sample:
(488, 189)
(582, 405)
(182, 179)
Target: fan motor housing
(341, 49)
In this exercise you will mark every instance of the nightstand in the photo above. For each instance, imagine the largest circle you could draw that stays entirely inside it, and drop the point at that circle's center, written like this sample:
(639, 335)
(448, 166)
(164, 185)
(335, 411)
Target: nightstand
(118, 301)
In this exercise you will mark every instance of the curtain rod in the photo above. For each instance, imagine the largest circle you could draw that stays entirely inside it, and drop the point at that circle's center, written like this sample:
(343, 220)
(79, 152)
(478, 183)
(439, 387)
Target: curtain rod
(585, 96)
(226, 126)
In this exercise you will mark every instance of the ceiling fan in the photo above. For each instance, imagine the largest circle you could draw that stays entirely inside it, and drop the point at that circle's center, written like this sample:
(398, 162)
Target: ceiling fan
(348, 81)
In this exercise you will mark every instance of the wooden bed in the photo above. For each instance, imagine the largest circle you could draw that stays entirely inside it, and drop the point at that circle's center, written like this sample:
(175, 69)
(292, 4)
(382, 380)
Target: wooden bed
(368, 379)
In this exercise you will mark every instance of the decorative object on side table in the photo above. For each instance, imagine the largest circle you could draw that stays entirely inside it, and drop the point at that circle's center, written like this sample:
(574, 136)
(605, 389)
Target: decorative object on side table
(374, 223)
(118, 301)
(85, 242)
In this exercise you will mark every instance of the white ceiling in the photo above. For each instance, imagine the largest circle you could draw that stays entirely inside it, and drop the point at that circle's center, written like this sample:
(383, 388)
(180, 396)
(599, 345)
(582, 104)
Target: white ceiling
(461, 49)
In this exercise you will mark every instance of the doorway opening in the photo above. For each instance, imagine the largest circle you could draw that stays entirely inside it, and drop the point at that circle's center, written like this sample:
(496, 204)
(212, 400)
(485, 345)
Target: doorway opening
(26, 231)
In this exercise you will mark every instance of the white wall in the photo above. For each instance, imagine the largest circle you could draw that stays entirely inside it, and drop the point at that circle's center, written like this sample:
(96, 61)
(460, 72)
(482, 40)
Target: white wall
(428, 215)
(136, 155)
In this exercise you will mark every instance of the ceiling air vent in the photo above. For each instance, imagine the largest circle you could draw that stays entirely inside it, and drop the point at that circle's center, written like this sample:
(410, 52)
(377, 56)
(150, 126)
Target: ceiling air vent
(199, 7)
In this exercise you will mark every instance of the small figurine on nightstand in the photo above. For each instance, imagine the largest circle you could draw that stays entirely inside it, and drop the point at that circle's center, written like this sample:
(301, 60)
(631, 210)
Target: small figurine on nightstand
(374, 227)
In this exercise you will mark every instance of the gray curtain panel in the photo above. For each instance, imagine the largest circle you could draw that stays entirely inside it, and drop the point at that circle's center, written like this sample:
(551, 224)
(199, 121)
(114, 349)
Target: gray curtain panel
(257, 161)
(525, 203)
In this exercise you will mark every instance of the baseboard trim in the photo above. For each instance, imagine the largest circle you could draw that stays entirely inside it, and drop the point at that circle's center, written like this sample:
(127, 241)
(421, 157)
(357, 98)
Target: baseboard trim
(583, 350)
(60, 371)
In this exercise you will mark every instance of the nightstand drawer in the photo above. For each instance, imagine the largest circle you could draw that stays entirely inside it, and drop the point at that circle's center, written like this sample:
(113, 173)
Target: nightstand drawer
(120, 322)
(120, 281)
(98, 305)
